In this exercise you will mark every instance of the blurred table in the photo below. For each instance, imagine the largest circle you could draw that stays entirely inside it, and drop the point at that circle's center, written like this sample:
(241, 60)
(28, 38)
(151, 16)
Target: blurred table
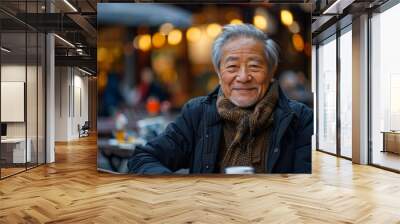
(113, 156)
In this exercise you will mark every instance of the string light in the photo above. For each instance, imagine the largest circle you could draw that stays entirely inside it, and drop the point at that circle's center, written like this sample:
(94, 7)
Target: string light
(158, 40)
(236, 21)
(174, 37)
(193, 34)
(213, 29)
(144, 42)
(260, 22)
(298, 42)
(294, 27)
(286, 17)
(166, 28)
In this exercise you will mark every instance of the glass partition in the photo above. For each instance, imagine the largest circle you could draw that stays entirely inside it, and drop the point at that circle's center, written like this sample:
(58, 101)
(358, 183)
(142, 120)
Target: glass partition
(346, 93)
(327, 95)
(22, 88)
(31, 97)
(15, 151)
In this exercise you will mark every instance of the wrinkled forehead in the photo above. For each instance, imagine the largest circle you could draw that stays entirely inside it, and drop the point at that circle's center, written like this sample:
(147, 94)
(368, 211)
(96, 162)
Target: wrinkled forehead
(243, 47)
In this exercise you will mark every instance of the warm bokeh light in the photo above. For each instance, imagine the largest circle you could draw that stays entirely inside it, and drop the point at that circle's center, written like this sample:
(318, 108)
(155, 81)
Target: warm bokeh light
(158, 40)
(286, 17)
(101, 54)
(298, 42)
(166, 28)
(260, 22)
(116, 51)
(102, 80)
(193, 34)
(136, 42)
(294, 27)
(213, 29)
(236, 21)
(144, 42)
(174, 37)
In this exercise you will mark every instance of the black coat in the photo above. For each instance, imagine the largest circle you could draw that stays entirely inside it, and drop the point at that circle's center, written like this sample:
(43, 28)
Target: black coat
(192, 140)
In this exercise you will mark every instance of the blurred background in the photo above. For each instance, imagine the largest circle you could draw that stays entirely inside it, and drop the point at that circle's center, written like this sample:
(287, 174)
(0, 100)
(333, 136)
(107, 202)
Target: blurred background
(152, 58)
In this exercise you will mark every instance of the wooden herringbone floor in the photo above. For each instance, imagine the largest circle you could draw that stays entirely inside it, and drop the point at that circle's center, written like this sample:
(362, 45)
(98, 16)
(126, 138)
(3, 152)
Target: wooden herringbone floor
(72, 191)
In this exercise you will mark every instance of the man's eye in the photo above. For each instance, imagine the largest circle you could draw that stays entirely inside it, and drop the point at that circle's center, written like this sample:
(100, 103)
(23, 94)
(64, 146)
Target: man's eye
(232, 68)
(254, 68)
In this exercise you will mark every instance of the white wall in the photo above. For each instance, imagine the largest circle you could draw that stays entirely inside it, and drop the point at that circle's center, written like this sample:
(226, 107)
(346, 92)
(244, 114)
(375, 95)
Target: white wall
(71, 93)
(61, 103)
(13, 72)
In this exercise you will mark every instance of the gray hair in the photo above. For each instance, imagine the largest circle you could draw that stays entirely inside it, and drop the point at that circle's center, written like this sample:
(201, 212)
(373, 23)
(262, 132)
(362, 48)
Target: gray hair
(229, 32)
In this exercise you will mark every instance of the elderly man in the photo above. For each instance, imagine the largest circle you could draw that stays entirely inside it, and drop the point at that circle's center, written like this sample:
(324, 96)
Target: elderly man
(246, 121)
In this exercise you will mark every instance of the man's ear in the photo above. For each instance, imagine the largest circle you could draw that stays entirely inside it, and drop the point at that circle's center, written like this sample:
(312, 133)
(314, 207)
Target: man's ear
(219, 77)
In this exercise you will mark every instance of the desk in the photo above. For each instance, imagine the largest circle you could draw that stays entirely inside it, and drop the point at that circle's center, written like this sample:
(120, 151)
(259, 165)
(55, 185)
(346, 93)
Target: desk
(391, 141)
(16, 148)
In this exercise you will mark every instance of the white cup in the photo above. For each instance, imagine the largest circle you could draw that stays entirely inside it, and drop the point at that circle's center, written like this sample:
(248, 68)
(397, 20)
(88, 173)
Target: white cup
(239, 170)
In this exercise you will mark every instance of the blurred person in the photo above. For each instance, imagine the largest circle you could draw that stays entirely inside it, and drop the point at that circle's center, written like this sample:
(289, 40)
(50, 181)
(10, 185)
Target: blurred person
(112, 97)
(295, 87)
(246, 121)
(149, 87)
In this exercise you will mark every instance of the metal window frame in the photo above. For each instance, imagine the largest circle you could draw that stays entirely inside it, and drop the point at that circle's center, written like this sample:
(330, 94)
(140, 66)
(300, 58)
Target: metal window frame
(340, 30)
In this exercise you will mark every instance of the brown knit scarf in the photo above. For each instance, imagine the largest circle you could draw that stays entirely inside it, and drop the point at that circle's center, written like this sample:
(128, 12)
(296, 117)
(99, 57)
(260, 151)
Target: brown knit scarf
(246, 130)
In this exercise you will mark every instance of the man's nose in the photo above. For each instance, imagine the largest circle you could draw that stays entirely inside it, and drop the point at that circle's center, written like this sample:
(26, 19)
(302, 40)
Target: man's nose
(242, 75)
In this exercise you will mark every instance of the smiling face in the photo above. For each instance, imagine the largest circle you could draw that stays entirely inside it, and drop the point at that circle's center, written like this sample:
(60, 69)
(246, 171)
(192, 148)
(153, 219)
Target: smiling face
(243, 71)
